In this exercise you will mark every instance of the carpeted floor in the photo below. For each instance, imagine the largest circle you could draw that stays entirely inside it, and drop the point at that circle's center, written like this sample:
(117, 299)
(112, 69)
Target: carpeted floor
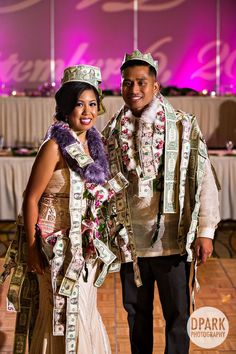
(224, 243)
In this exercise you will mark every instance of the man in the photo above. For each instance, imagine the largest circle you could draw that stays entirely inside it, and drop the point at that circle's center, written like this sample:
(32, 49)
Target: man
(170, 204)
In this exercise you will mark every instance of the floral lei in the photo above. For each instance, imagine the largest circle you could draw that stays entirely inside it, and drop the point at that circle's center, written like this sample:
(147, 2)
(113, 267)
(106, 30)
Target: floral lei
(148, 149)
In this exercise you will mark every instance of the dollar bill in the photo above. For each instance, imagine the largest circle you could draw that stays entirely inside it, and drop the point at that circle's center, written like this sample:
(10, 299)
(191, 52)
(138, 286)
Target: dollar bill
(103, 252)
(75, 237)
(172, 165)
(118, 182)
(76, 216)
(171, 136)
(71, 330)
(6, 272)
(66, 287)
(58, 330)
(17, 280)
(71, 319)
(58, 322)
(100, 279)
(59, 302)
(120, 203)
(170, 198)
(185, 154)
(10, 261)
(114, 267)
(60, 246)
(75, 267)
(77, 153)
(195, 134)
(73, 305)
(56, 266)
(186, 128)
(18, 274)
(13, 296)
(113, 168)
(71, 345)
(202, 149)
(145, 188)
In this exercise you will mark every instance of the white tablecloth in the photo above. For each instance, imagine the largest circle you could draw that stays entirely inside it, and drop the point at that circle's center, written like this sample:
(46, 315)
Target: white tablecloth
(15, 171)
(225, 167)
(24, 120)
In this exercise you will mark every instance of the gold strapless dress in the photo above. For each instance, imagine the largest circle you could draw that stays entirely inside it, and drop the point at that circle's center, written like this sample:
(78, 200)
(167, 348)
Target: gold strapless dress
(93, 338)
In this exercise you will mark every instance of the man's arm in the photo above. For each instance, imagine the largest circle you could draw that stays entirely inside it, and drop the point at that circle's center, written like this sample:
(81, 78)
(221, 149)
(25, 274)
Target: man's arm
(209, 215)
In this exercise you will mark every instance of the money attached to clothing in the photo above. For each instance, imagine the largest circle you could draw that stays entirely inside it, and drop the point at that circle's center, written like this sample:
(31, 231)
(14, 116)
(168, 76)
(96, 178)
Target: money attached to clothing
(76, 152)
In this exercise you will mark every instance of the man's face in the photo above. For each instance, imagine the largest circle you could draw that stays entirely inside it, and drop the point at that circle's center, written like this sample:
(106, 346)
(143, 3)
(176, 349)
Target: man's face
(138, 88)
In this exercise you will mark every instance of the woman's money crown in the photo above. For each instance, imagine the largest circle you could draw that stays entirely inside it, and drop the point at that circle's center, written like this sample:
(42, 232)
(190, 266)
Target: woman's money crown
(137, 55)
(83, 73)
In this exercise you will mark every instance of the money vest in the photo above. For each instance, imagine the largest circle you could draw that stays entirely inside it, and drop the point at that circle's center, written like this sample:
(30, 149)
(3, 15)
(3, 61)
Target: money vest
(23, 289)
(185, 154)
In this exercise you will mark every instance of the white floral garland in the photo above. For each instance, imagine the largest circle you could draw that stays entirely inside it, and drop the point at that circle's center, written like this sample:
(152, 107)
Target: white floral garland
(149, 142)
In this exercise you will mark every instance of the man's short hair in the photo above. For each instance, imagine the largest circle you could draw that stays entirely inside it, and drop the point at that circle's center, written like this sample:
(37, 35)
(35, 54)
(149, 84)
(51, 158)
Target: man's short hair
(132, 63)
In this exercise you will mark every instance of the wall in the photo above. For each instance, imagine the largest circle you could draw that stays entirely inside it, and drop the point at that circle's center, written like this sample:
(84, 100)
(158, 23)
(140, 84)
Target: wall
(181, 34)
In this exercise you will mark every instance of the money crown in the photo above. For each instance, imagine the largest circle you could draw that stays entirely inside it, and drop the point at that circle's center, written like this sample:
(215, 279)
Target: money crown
(137, 55)
(83, 73)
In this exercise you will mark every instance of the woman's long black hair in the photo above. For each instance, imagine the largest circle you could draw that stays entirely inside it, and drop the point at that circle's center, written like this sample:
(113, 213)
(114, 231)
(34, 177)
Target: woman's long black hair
(67, 97)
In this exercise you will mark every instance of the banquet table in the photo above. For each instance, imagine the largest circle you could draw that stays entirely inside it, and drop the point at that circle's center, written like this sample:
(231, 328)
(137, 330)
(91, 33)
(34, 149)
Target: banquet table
(225, 167)
(15, 171)
(14, 174)
(24, 120)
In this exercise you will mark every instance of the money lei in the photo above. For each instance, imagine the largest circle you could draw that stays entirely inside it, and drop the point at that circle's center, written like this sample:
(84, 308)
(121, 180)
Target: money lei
(92, 168)
(148, 147)
(171, 161)
(23, 290)
(69, 288)
(119, 207)
(172, 180)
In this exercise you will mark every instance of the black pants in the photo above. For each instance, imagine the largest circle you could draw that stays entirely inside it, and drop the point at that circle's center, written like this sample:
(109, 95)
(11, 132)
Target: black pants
(172, 276)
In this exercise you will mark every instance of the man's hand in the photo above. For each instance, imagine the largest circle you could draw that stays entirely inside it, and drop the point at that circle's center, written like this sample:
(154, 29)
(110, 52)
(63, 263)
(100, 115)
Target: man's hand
(203, 249)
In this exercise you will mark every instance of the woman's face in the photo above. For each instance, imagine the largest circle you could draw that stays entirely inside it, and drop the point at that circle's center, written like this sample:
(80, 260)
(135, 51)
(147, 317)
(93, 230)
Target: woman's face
(84, 115)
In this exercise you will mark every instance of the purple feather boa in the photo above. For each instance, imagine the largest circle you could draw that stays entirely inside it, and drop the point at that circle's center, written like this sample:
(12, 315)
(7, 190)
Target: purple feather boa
(96, 172)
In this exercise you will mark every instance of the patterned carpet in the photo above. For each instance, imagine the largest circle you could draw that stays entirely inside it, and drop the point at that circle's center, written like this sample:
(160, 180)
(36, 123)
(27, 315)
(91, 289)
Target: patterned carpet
(224, 243)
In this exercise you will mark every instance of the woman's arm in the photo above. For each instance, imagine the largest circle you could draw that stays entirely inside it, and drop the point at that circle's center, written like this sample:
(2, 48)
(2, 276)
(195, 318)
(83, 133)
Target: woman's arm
(48, 159)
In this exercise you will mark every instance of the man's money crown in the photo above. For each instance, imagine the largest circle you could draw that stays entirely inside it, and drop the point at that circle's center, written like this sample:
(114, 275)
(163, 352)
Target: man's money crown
(83, 73)
(137, 55)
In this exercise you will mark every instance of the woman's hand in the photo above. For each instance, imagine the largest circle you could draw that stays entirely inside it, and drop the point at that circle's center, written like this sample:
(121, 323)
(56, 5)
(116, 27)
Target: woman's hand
(35, 260)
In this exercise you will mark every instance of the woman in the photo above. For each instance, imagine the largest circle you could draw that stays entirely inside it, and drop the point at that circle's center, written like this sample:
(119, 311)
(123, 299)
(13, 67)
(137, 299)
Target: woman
(64, 209)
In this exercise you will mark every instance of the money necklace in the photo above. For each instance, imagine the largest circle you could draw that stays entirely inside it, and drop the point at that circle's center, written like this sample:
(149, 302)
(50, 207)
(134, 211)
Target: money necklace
(95, 172)
(150, 139)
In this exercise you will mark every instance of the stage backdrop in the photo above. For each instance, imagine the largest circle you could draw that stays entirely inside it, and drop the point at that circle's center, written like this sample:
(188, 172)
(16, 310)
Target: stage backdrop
(181, 34)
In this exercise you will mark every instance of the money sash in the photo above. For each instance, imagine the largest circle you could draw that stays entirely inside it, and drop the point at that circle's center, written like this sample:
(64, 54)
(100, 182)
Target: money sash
(22, 294)
(119, 208)
(184, 163)
(197, 168)
(69, 285)
(171, 161)
(192, 155)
